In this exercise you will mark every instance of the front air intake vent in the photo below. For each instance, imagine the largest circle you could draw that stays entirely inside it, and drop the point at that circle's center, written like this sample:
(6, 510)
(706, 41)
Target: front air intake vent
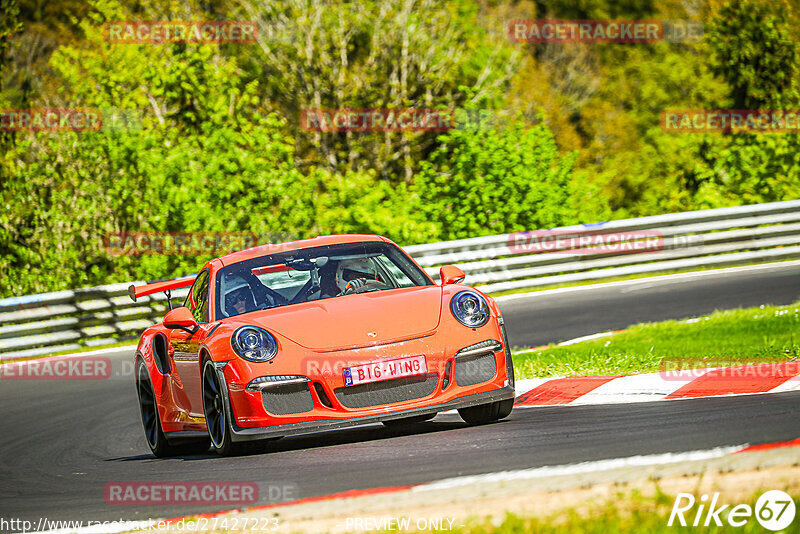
(475, 369)
(288, 399)
(160, 353)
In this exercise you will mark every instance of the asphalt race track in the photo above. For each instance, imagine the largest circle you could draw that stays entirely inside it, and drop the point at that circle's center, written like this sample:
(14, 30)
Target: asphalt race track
(565, 314)
(62, 441)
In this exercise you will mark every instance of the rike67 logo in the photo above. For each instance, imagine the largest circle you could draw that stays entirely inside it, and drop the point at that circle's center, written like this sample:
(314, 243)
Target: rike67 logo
(774, 510)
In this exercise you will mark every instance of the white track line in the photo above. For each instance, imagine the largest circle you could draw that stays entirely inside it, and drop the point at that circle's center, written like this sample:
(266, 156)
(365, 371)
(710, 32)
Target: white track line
(581, 468)
(503, 476)
(584, 338)
(637, 388)
(581, 339)
(793, 384)
(526, 384)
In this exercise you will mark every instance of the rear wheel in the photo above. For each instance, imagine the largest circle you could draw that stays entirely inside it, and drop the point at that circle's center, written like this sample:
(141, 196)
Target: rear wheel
(151, 422)
(394, 423)
(486, 413)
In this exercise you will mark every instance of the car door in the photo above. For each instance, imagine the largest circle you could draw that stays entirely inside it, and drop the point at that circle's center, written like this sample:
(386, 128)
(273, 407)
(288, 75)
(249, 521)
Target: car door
(186, 349)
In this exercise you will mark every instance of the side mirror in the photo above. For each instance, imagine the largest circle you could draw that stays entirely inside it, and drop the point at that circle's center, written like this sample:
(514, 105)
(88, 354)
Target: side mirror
(181, 319)
(450, 274)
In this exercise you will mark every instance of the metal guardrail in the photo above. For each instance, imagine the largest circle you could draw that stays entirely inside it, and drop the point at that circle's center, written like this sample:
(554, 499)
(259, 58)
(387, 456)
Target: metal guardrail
(33, 325)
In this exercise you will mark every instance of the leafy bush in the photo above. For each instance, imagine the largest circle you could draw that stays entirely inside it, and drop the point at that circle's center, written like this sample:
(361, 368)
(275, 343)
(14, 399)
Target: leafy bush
(485, 180)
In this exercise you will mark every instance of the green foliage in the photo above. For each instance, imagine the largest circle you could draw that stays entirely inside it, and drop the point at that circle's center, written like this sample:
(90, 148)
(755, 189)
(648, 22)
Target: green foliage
(597, 9)
(645, 170)
(205, 159)
(220, 147)
(365, 54)
(363, 204)
(646, 510)
(747, 60)
(724, 338)
(9, 25)
(485, 180)
(751, 168)
(755, 54)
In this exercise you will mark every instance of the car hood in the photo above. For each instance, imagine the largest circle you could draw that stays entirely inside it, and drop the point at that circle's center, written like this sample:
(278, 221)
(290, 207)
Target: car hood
(356, 320)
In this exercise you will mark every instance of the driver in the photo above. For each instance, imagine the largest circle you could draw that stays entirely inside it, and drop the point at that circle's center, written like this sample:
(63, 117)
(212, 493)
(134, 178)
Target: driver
(354, 273)
(238, 296)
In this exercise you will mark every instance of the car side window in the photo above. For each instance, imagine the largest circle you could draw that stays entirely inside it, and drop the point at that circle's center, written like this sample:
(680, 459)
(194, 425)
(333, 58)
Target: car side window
(198, 298)
(399, 276)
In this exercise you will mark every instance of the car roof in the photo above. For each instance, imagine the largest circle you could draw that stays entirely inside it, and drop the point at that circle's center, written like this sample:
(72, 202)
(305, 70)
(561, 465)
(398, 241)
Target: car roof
(272, 248)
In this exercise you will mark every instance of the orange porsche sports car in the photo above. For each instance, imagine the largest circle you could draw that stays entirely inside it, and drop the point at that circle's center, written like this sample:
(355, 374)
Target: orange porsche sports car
(317, 334)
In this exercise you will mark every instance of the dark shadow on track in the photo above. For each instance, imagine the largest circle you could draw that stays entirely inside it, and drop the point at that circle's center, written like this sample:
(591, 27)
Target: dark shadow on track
(331, 438)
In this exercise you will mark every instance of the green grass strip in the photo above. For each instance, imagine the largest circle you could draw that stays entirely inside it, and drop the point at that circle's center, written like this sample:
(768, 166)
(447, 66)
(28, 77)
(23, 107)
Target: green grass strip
(629, 512)
(724, 338)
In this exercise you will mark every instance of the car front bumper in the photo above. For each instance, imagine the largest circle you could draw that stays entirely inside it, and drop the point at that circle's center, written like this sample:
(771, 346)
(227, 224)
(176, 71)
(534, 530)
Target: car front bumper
(240, 434)
(331, 405)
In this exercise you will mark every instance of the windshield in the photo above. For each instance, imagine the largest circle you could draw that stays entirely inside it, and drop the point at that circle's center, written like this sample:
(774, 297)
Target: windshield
(311, 274)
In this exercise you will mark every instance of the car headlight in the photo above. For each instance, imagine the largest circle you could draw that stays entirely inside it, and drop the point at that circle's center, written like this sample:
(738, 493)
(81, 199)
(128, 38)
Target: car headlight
(254, 344)
(470, 309)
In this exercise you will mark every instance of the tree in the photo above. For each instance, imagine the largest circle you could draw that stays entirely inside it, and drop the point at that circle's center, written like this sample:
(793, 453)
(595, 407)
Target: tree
(488, 178)
(365, 54)
(753, 51)
(205, 157)
(203, 154)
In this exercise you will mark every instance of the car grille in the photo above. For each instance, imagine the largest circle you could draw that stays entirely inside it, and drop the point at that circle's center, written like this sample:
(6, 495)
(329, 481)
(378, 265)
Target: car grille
(473, 370)
(288, 399)
(387, 391)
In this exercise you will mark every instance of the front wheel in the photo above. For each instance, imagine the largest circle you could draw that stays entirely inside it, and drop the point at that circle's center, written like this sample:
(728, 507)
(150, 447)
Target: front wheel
(214, 409)
(216, 412)
(486, 413)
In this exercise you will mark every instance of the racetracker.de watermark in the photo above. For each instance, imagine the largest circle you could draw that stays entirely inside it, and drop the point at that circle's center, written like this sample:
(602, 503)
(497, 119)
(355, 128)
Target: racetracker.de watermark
(196, 493)
(597, 242)
(730, 121)
(683, 369)
(70, 120)
(377, 120)
(190, 243)
(58, 368)
(223, 523)
(181, 31)
(604, 31)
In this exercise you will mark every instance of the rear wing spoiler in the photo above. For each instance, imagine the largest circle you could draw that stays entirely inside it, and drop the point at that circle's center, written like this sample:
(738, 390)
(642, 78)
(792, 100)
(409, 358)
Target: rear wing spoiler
(157, 287)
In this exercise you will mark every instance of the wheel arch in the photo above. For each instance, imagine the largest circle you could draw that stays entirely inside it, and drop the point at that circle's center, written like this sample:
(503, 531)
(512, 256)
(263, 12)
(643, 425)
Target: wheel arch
(203, 356)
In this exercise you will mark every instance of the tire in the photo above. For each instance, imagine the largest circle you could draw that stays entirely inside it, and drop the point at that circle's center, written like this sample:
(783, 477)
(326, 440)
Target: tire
(394, 423)
(151, 422)
(216, 411)
(486, 413)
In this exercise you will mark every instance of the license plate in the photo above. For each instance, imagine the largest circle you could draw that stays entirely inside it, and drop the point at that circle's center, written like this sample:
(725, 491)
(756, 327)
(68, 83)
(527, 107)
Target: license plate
(385, 370)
